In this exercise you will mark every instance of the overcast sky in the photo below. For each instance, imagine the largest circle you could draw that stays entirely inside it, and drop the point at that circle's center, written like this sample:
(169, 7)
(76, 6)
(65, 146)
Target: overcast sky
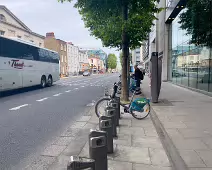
(43, 16)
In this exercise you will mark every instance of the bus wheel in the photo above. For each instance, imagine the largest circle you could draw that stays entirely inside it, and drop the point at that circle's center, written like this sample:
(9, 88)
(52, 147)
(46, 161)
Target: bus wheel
(43, 81)
(50, 81)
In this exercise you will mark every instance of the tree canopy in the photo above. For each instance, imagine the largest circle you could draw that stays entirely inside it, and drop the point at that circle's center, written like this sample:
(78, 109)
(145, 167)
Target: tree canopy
(104, 20)
(112, 61)
(197, 21)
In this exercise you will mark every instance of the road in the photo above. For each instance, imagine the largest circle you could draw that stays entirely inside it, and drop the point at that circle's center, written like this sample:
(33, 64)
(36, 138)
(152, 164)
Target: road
(30, 119)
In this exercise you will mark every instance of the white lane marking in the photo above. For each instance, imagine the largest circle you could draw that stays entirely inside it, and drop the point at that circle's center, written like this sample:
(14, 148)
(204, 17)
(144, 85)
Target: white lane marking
(40, 100)
(18, 107)
(68, 91)
(76, 88)
(70, 84)
(82, 86)
(57, 94)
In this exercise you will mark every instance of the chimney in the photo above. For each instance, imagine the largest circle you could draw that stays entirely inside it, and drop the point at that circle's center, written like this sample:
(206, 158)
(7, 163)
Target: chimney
(70, 43)
(50, 35)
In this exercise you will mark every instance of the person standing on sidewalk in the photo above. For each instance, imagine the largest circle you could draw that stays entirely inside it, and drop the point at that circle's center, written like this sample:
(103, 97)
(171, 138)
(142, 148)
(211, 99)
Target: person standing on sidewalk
(138, 77)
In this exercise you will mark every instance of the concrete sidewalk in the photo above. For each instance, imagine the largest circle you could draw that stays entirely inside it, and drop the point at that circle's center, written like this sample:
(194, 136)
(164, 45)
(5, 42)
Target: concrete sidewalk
(184, 119)
(137, 147)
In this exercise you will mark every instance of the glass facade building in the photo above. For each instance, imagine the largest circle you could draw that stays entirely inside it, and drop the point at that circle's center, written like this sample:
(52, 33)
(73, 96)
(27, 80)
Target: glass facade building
(191, 64)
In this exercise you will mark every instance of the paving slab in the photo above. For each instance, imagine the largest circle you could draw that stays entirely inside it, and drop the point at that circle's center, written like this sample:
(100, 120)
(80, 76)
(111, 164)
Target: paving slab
(70, 132)
(149, 167)
(132, 154)
(42, 163)
(117, 165)
(63, 141)
(132, 130)
(151, 142)
(150, 131)
(60, 163)
(53, 150)
(84, 119)
(195, 133)
(190, 144)
(191, 158)
(158, 157)
(123, 139)
(78, 125)
(206, 156)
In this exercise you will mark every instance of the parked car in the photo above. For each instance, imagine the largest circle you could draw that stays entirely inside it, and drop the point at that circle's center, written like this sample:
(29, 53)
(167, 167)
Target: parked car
(86, 73)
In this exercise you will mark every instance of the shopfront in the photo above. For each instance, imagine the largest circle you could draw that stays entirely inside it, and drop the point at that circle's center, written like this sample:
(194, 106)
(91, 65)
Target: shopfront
(191, 63)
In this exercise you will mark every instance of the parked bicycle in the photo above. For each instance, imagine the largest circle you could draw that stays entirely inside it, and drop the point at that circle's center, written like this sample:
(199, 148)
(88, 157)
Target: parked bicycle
(138, 108)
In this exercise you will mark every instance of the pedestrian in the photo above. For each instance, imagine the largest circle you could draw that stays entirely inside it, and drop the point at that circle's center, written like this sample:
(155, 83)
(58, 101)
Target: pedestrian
(138, 77)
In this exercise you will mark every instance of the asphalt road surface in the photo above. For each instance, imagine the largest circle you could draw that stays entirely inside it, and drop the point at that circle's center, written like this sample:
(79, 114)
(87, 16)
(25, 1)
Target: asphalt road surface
(30, 118)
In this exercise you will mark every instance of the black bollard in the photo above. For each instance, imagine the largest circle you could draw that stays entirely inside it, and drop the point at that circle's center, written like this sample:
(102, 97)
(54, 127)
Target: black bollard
(98, 149)
(105, 124)
(79, 163)
(109, 111)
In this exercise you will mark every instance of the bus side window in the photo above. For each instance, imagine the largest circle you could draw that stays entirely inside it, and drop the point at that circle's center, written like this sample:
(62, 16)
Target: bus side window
(27, 52)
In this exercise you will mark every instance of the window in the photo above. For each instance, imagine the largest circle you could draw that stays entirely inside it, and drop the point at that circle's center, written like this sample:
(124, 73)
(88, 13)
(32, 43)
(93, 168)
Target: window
(61, 47)
(64, 48)
(27, 52)
(40, 44)
(61, 58)
(65, 58)
(19, 36)
(2, 18)
(2, 32)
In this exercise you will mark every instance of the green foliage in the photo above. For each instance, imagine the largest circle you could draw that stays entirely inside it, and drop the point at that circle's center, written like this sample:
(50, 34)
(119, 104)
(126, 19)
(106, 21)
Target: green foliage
(112, 61)
(197, 21)
(121, 56)
(104, 20)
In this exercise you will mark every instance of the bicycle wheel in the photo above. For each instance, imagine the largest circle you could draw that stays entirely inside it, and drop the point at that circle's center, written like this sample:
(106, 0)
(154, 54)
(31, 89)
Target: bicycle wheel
(100, 106)
(141, 115)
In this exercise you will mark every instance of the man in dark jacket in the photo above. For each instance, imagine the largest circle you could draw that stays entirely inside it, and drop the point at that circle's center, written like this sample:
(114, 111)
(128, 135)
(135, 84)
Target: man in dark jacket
(138, 76)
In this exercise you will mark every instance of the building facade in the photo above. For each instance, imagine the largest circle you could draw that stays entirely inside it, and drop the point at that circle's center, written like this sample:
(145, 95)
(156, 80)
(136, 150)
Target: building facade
(94, 55)
(59, 46)
(12, 27)
(73, 59)
(183, 62)
(83, 61)
(136, 56)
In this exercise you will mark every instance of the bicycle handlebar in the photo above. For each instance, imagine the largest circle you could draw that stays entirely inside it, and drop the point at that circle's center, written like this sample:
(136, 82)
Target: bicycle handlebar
(115, 88)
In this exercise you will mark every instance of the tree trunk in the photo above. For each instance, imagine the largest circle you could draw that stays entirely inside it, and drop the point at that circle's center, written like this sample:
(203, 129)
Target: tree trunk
(125, 48)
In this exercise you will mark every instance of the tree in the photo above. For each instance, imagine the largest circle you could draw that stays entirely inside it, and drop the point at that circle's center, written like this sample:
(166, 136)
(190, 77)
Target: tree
(197, 21)
(112, 61)
(121, 57)
(121, 24)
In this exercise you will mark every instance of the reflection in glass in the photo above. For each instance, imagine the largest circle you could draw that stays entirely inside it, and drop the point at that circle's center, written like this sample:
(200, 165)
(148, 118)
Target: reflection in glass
(191, 63)
(192, 60)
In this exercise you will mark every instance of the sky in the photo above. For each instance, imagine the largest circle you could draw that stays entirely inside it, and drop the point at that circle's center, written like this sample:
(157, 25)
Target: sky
(43, 16)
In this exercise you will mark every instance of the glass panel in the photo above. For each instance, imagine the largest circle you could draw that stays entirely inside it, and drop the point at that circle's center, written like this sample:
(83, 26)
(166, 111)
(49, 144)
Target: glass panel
(185, 64)
(192, 60)
(203, 71)
(210, 70)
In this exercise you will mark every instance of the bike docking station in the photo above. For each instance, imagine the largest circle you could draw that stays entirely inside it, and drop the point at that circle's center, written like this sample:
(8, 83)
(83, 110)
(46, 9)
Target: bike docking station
(98, 149)
(105, 124)
(115, 105)
(79, 163)
(111, 112)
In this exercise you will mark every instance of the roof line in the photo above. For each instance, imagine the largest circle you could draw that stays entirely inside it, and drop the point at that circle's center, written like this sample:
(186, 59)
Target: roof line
(12, 15)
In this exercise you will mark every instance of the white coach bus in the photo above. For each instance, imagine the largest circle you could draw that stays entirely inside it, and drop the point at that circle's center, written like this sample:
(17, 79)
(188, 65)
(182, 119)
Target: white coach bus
(24, 65)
